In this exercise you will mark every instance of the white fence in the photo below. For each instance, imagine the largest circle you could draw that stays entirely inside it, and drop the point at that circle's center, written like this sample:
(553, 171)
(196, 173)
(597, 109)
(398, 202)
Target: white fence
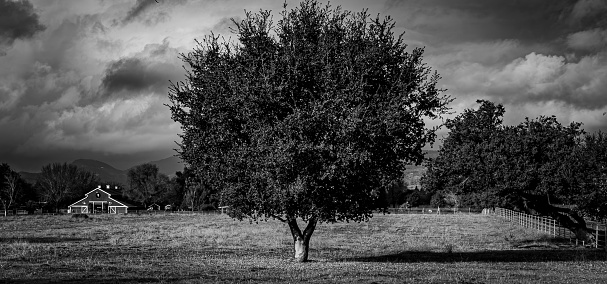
(432, 210)
(552, 227)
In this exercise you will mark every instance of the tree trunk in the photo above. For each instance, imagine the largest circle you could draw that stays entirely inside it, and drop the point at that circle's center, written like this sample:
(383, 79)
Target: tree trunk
(567, 218)
(301, 241)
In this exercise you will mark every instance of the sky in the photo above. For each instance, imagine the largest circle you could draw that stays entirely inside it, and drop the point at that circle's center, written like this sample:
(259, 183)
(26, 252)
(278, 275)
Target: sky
(89, 79)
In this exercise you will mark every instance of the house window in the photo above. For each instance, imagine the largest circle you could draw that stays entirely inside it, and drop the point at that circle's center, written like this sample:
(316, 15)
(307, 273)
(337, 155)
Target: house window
(98, 195)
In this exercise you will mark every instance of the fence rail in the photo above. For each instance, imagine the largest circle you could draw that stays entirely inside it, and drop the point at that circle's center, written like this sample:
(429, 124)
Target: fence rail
(432, 210)
(553, 227)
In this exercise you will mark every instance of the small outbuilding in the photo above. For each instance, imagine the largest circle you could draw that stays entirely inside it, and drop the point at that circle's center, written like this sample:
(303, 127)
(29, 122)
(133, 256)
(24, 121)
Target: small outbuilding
(99, 201)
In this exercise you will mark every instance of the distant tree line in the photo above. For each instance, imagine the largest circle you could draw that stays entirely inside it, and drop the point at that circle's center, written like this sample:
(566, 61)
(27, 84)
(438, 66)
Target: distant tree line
(60, 184)
(538, 166)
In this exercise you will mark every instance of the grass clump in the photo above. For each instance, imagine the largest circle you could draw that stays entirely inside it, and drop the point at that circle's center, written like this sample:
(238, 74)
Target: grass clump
(80, 216)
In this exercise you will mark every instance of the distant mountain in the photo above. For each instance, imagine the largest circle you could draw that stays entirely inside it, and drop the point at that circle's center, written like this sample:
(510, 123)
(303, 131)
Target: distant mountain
(108, 173)
(31, 178)
(104, 171)
(169, 166)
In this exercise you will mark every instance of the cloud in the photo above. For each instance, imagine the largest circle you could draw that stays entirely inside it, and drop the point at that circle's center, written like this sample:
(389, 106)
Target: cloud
(144, 10)
(140, 7)
(488, 53)
(86, 88)
(456, 21)
(535, 78)
(11, 91)
(118, 127)
(122, 132)
(68, 106)
(124, 113)
(589, 40)
(537, 56)
(17, 21)
(130, 74)
(149, 70)
(588, 13)
(593, 119)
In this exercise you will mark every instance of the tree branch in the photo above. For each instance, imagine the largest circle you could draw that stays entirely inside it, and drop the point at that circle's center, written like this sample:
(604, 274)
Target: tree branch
(278, 218)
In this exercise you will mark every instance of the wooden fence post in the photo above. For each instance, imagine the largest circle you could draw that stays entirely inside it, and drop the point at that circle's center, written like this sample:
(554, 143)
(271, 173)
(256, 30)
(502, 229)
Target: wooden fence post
(596, 243)
(520, 218)
(554, 227)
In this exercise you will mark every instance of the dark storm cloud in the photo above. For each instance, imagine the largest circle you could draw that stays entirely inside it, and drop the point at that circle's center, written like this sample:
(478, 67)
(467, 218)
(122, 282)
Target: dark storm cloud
(128, 74)
(17, 21)
(140, 7)
(462, 20)
(149, 70)
(141, 11)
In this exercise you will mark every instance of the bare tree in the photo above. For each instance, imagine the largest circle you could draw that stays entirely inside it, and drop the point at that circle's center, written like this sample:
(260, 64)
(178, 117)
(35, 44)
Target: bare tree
(9, 188)
(60, 182)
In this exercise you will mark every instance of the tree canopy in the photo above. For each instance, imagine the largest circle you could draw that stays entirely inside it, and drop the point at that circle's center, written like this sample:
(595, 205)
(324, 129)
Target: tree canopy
(61, 183)
(589, 171)
(305, 119)
(146, 185)
(539, 166)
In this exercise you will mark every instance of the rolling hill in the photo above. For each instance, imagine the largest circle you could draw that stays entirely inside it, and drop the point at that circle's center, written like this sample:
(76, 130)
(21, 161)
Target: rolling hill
(104, 171)
(108, 173)
(169, 166)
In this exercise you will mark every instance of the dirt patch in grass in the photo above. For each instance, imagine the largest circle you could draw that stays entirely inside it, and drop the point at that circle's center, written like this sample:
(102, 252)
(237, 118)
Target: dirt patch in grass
(176, 248)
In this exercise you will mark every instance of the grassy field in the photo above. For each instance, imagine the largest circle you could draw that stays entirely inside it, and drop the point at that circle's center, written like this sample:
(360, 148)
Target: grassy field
(198, 248)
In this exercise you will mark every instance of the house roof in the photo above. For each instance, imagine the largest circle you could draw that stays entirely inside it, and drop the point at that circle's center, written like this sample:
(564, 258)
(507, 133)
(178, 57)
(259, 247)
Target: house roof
(114, 195)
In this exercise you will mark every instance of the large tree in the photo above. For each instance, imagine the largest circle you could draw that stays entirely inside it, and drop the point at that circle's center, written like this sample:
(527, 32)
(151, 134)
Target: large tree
(145, 184)
(463, 165)
(307, 119)
(60, 183)
(530, 167)
(589, 171)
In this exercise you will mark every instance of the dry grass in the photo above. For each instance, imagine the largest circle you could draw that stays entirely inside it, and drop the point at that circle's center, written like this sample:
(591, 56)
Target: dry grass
(192, 248)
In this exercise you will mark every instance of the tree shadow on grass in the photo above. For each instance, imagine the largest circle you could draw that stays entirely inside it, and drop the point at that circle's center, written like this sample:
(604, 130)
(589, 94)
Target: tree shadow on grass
(41, 240)
(488, 256)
